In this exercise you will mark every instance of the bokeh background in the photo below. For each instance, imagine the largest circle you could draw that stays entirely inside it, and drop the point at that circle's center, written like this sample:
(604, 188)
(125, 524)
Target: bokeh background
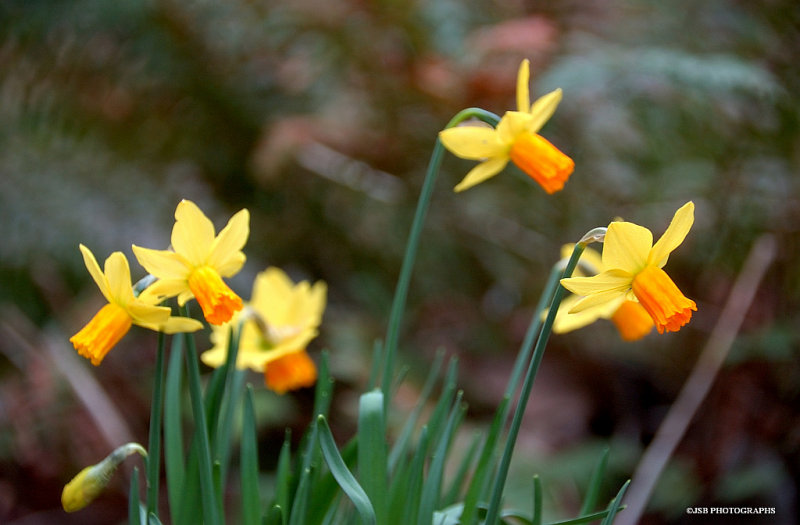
(320, 118)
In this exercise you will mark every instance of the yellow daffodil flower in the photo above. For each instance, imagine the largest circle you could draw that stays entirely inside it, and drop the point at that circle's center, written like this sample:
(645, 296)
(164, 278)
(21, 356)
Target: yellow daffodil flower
(516, 139)
(114, 320)
(633, 270)
(278, 323)
(92, 480)
(199, 261)
(630, 318)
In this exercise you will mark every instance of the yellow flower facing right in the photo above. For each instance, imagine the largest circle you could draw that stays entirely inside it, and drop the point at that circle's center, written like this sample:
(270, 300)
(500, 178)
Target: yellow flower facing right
(198, 262)
(629, 317)
(515, 139)
(633, 270)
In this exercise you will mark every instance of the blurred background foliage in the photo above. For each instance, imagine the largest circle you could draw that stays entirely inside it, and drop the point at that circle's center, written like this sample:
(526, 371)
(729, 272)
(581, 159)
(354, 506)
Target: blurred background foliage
(320, 118)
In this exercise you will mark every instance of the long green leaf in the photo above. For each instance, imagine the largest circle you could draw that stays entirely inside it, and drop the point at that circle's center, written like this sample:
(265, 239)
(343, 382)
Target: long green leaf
(416, 475)
(227, 425)
(209, 499)
(433, 484)
(343, 475)
(173, 429)
(274, 516)
(438, 417)
(156, 409)
(302, 495)
(587, 518)
(460, 476)
(248, 465)
(310, 456)
(482, 477)
(283, 473)
(537, 501)
(134, 506)
(400, 447)
(593, 490)
(372, 452)
(326, 488)
(614, 507)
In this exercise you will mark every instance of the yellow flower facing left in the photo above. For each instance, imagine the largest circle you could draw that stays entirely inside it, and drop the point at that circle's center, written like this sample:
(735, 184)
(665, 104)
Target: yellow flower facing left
(198, 261)
(633, 270)
(278, 323)
(114, 319)
(515, 139)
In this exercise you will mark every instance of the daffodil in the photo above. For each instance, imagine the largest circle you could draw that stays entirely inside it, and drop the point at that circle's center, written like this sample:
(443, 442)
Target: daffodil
(114, 319)
(198, 261)
(630, 318)
(514, 139)
(277, 324)
(633, 270)
(92, 480)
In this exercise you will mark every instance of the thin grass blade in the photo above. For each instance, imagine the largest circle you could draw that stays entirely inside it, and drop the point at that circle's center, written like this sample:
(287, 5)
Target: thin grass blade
(593, 490)
(614, 507)
(248, 464)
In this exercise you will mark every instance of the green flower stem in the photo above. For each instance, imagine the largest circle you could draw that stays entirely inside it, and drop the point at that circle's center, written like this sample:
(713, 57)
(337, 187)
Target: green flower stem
(401, 291)
(209, 499)
(533, 330)
(154, 447)
(538, 352)
(488, 451)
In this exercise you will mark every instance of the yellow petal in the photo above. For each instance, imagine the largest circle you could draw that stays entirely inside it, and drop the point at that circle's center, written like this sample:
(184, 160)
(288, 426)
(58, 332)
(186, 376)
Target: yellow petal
(610, 280)
(147, 315)
(118, 274)
(626, 246)
(184, 296)
(543, 109)
(523, 94)
(567, 322)
(231, 265)
(591, 261)
(674, 236)
(163, 289)
(481, 172)
(164, 264)
(471, 142)
(96, 273)
(597, 299)
(513, 124)
(215, 357)
(225, 250)
(193, 233)
(175, 325)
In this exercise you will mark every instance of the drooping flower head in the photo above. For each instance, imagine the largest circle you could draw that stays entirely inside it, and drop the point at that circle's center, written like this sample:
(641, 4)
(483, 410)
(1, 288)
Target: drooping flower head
(515, 139)
(114, 319)
(633, 270)
(199, 261)
(92, 480)
(629, 317)
(277, 324)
